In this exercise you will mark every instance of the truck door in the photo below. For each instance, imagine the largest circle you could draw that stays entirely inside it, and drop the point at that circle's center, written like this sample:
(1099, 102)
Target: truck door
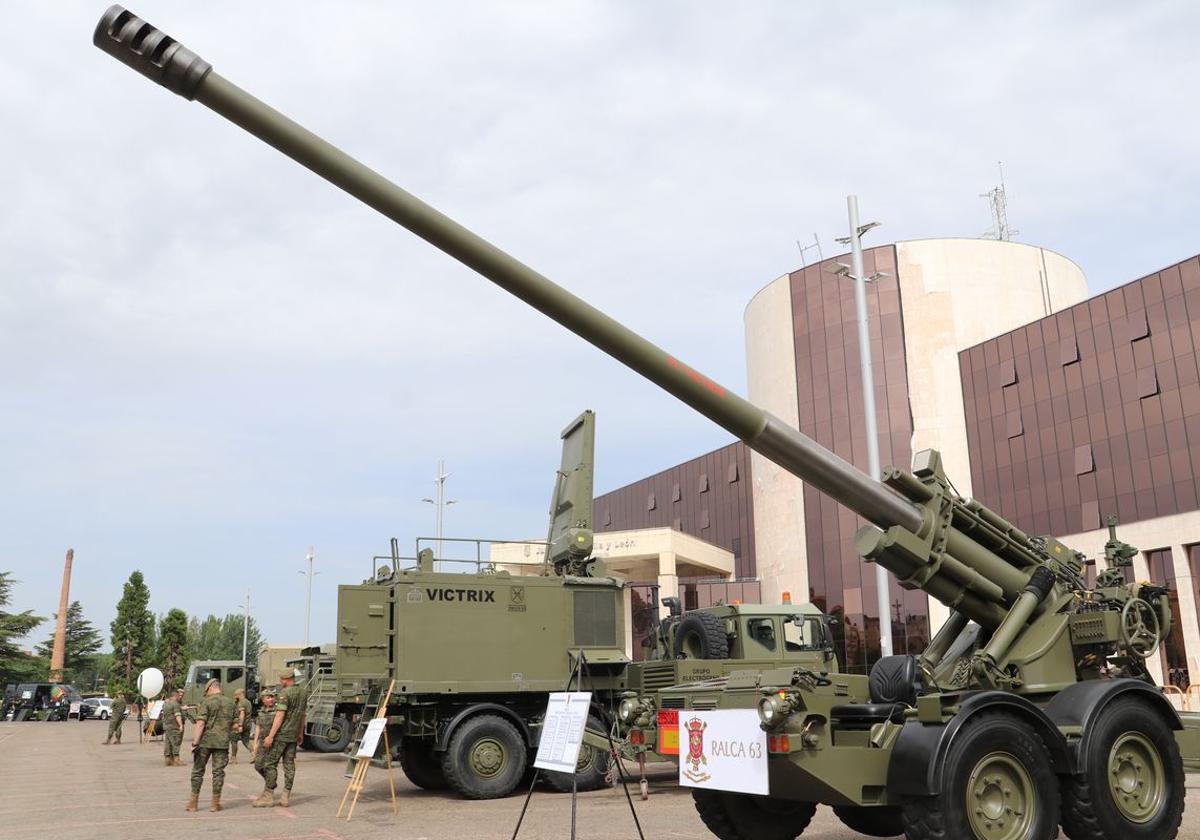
(364, 635)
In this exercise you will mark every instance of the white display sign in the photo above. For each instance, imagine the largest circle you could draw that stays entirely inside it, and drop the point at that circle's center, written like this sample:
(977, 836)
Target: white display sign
(156, 709)
(724, 750)
(370, 741)
(562, 731)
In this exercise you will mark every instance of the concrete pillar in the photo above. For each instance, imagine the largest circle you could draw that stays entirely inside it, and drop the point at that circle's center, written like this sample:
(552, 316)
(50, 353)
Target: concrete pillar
(668, 580)
(627, 603)
(1190, 623)
(1141, 571)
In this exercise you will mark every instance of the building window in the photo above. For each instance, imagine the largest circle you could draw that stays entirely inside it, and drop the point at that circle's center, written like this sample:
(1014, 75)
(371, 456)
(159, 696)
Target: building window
(703, 482)
(651, 503)
(1172, 651)
(732, 475)
(607, 517)
(1013, 424)
(1008, 372)
(675, 494)
(703, 518)
(1147, 382)
(1085, 461)
(1068, 351)
(1137, 326)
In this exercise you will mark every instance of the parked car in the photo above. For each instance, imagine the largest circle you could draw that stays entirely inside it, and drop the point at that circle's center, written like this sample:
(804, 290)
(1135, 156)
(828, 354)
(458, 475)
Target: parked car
(101, 707)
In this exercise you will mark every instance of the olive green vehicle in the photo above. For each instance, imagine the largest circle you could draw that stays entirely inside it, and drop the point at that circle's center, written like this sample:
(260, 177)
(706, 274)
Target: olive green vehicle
(709, 644)
(325, 731)
(1032, 706)
(233, 674)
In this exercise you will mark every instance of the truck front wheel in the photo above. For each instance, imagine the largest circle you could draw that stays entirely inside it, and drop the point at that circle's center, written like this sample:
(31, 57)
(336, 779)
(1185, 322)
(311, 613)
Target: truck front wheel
(591, 772)
(998, 783)
(1133, 787)
(740, 816)
(485, 759)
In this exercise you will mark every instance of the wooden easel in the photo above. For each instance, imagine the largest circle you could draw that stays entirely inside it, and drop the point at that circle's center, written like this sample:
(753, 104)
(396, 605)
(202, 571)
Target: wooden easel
(363, 762)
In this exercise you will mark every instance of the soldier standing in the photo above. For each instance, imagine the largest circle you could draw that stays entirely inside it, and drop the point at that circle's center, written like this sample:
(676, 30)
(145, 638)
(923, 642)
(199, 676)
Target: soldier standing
(242, 723)
(117, 717)
(210, 739)
(172, 722)
(262, 725)
(287, 727)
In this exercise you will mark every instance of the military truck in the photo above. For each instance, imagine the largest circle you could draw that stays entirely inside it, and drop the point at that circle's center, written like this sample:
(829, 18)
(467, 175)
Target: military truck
(705, 645)
(233, 674)
(1032, 705)
(325, 731)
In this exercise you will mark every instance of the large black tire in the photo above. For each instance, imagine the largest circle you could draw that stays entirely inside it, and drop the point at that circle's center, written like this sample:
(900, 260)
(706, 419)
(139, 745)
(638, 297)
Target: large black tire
(422, 766)
(740, 816)
(701, 635)
(592, 770)
(486, 758)
(878, 821)
(1133, 755)
(1000, 763)
(335, 737)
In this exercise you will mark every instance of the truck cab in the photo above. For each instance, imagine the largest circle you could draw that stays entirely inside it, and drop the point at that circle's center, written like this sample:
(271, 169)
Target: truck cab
(233, 674)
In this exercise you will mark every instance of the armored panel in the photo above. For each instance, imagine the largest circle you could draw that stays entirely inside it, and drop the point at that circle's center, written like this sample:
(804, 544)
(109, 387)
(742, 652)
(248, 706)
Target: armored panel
(595, 619)
(363, 636)
(1094, 628)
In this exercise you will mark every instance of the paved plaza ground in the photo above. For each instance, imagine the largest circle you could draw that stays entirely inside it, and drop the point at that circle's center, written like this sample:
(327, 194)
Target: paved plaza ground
(57, 780)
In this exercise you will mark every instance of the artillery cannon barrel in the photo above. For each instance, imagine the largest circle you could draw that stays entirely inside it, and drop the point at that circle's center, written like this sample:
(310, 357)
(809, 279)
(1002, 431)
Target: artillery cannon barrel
(167, 62)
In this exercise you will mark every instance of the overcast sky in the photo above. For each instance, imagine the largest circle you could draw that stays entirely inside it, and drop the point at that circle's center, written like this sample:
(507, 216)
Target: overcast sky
(211, 359)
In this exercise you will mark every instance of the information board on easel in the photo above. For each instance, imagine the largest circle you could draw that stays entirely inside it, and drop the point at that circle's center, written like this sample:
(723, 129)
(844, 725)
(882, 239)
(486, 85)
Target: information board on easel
(376, 730)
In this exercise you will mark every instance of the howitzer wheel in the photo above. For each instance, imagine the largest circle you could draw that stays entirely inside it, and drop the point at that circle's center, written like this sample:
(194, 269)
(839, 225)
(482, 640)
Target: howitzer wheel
(998, 783)
(1133, 787)
(741, 816)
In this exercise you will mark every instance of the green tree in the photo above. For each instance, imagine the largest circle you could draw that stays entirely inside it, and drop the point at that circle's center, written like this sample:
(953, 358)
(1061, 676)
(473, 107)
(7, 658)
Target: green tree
(173, 647)
(15, 664)
(132, 634)
(94, 675)
(82, 642)
(221, 638)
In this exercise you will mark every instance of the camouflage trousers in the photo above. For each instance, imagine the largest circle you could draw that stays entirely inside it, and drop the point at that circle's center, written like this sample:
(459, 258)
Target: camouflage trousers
(172, 739)
(234, 737)
(269, 768)
(114, 728)
(200, 756)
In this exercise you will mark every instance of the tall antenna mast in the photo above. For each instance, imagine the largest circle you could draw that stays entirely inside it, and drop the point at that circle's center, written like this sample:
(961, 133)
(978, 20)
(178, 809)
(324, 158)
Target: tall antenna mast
(998, 199)
(804, 249)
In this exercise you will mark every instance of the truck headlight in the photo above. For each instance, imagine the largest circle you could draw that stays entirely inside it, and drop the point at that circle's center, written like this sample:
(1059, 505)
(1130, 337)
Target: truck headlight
(628, 710)
(772, 711)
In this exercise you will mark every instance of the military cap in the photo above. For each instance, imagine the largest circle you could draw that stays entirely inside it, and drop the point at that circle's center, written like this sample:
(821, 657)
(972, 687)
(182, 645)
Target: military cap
(210, 684)
(287, 675)
(268, 691)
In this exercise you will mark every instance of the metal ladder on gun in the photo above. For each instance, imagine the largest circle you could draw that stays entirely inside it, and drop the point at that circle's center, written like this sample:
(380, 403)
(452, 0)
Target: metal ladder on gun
(374, 694)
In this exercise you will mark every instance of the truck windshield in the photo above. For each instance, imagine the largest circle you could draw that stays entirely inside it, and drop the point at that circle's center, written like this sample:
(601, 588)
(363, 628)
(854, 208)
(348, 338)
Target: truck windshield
(802, 632)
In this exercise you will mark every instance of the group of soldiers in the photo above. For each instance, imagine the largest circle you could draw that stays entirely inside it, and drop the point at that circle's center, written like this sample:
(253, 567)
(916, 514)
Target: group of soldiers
(221, 723)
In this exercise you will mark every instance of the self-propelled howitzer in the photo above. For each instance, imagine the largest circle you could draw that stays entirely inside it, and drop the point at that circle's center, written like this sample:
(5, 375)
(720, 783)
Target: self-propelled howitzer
(1026, 637)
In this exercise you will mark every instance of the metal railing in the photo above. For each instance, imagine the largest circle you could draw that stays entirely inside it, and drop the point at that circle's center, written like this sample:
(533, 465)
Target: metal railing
(476, 564)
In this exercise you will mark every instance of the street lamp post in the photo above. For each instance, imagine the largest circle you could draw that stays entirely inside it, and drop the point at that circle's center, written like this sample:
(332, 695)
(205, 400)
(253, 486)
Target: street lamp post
(246, 628)
(440, 502)
(857, 274)
(308, 598)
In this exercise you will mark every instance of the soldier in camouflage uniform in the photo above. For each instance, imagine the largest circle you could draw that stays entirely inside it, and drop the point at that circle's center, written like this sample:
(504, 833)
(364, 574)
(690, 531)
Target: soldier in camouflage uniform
(286, 730)
(214, 719)
(243, 722)
(172, 723)
(116, 718)
(262, 725)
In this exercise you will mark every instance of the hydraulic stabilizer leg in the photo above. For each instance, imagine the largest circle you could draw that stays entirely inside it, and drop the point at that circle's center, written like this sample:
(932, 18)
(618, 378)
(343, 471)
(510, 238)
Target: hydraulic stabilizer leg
(986, 661)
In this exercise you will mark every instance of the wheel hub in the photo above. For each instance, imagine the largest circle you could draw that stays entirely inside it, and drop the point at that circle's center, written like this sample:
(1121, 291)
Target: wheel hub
(1136, 780)
(1001, 800)
(487, 757)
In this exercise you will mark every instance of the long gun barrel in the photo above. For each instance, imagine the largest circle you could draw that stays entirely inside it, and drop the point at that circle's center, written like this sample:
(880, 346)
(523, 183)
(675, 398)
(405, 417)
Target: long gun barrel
(961, 553)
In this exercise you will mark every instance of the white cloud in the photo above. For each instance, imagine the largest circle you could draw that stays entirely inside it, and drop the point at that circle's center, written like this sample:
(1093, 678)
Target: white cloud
(212, 359)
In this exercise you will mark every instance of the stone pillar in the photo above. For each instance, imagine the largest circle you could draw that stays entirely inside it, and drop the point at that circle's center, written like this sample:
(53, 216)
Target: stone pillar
(668, 580)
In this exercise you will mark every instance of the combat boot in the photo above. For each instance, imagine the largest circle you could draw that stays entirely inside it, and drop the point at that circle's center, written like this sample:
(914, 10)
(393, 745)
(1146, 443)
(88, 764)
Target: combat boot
(166, 761)
(286, 798)
(233, 759)
(265, 799)
(216, 803)
(193, 802)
